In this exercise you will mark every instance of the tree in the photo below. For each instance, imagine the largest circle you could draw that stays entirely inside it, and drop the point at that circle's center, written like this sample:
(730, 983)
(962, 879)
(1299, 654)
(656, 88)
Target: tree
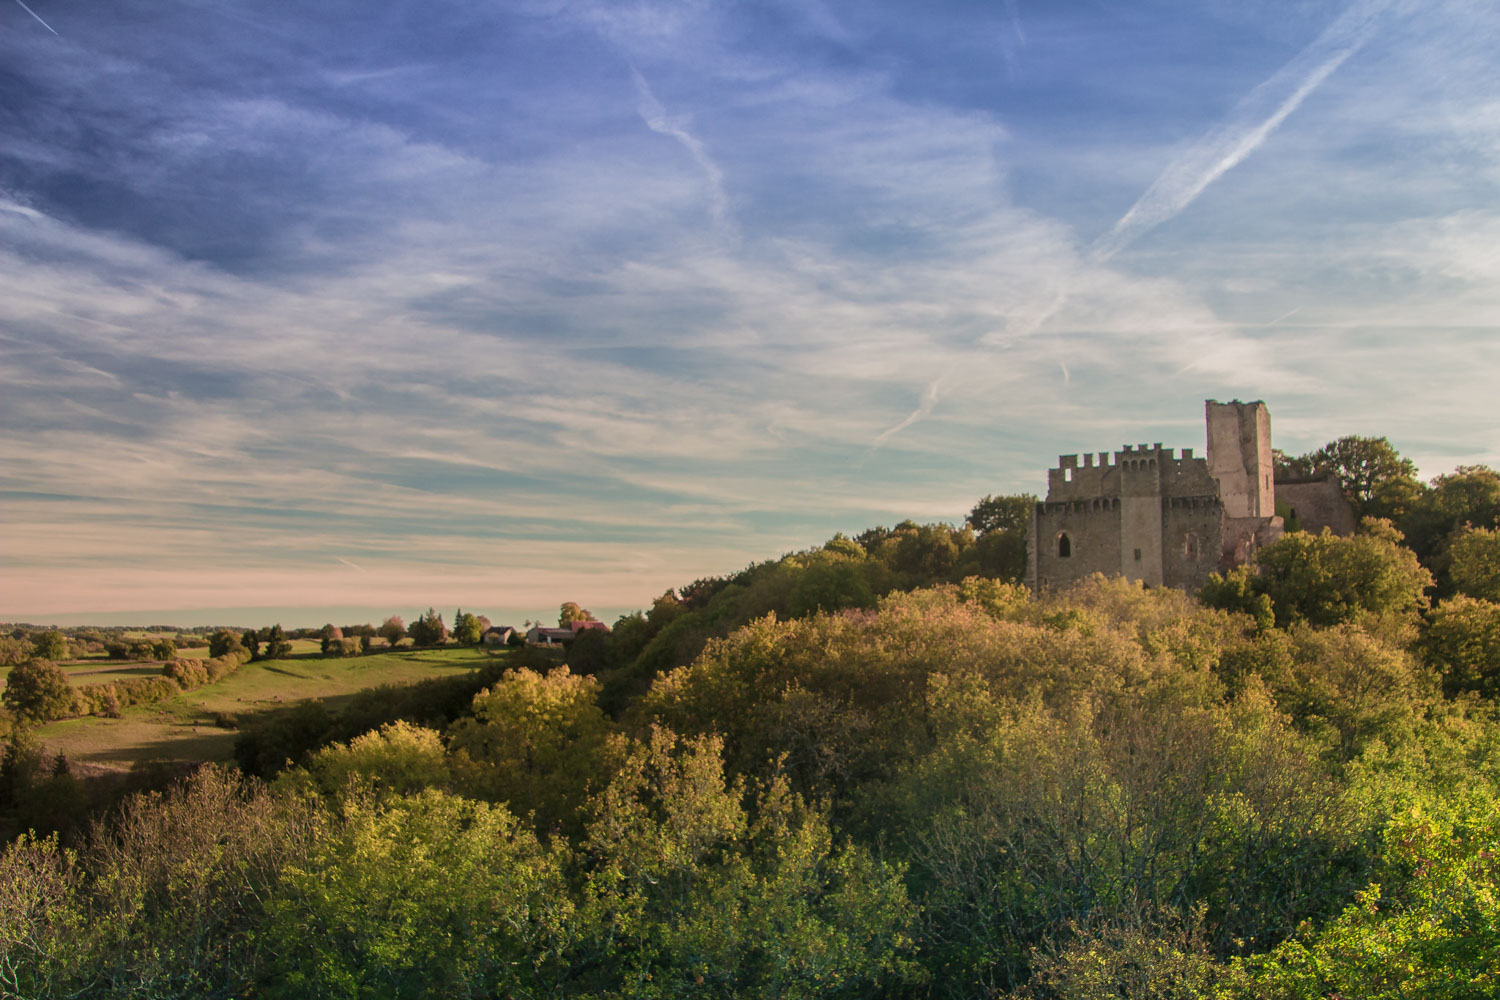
(1468, 496)
(1288, 467)
(698, 593)
(1462, 643)
(164, 649)
(1002, 513)
(1239, 590)
(664, 609)
(1377, 481)
(432, 895)
(1327, 580)
(50, 645)
(588, 653)
(1002, 524)
(428, 630)
(694, 892)
(277, 644)
(397, 758)
(535, 741)
(38, 691)
(392, 630)
(1475, 567)
(830, 583)
(1436, 937)
(329, 635)
(223, 642)
(468, 630)
(570, 612)
(251, 642)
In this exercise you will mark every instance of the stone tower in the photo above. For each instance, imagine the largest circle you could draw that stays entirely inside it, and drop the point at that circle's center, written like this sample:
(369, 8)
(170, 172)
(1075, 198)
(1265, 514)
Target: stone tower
(1239, 457)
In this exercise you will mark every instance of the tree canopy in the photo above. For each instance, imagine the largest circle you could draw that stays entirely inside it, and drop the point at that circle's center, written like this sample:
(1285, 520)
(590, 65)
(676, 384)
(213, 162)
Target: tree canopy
(38, 691)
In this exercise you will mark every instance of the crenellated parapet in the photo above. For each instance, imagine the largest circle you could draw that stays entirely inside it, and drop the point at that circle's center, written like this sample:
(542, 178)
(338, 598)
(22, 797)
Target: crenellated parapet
(1131, 470)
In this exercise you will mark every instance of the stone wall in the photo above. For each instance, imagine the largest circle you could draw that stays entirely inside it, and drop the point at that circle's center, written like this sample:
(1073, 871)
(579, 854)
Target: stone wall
(1315, 504)
(1191, 545)
(1092, 530)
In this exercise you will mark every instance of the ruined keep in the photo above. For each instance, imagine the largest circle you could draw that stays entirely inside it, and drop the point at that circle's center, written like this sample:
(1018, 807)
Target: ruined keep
(1147, 514)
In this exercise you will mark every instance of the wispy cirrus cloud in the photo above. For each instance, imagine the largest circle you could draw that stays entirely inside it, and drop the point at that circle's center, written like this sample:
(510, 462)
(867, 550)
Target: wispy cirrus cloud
(657, 120)
(464, 325)
(924, 409)
(1251, 122)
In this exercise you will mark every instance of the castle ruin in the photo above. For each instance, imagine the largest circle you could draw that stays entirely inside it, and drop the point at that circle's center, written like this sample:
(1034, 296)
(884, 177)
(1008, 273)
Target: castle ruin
(1147, 514)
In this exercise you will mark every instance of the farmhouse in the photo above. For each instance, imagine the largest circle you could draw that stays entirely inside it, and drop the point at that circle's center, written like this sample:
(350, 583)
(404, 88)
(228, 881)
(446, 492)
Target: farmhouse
(1149, 514)
(497, 635)
(540, 635)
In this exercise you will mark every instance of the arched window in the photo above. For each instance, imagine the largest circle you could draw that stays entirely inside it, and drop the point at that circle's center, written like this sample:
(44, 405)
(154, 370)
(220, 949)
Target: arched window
(1064, 546)
(1190, 548)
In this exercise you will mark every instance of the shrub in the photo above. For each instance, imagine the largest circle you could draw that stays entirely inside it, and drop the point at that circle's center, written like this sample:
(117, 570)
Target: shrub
(187, 673)
(1328, 580)
(1462, 642)
(430, 896)
(224, 642)
(1476, 563)
(398, 757)
(38, 691)
(50, 645)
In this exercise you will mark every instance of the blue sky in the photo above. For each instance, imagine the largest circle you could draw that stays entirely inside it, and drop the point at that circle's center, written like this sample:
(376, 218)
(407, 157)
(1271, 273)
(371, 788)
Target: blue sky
(377, 306)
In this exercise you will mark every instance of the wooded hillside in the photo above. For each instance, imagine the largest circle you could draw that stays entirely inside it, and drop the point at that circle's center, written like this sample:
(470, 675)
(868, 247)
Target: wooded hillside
(869, 769)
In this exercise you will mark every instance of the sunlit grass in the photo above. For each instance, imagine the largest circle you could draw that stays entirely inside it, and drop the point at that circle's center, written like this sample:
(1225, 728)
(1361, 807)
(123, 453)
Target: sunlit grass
(184, 727)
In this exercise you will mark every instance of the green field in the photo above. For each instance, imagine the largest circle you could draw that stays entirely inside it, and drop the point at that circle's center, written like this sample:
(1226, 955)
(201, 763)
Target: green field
(183, 728)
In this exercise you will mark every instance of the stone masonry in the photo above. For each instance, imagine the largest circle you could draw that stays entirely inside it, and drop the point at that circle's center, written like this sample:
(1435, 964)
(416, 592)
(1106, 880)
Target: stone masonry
(1148, 514)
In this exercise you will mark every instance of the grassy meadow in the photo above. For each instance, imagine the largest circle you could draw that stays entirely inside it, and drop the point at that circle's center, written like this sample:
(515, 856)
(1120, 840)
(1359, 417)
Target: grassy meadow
(200, 725)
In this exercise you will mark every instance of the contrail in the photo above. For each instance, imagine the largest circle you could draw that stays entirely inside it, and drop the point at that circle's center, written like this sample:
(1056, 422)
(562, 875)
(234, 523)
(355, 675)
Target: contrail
(38, 18)
(1227, 145)
(929, 400)
(656, 119)
(350, 564)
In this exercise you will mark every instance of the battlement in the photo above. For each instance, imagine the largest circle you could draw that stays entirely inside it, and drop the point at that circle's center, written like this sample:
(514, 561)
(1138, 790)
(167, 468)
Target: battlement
(1103, 474)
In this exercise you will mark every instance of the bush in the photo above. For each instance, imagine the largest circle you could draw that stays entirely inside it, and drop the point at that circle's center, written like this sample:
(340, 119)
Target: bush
(1476, 564)
(429, 896)
(223, 642)
(1439, 939)
(50, 645)
(14, 651)
(1328, 580)
(188, 674)
(38, 691)
(1462, 642)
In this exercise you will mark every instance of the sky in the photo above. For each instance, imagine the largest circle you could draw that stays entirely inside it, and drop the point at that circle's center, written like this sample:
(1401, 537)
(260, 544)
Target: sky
(331, 310)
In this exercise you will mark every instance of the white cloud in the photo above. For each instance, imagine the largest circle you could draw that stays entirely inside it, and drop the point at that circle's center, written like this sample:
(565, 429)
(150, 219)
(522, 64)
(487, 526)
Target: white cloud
(520, 371)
